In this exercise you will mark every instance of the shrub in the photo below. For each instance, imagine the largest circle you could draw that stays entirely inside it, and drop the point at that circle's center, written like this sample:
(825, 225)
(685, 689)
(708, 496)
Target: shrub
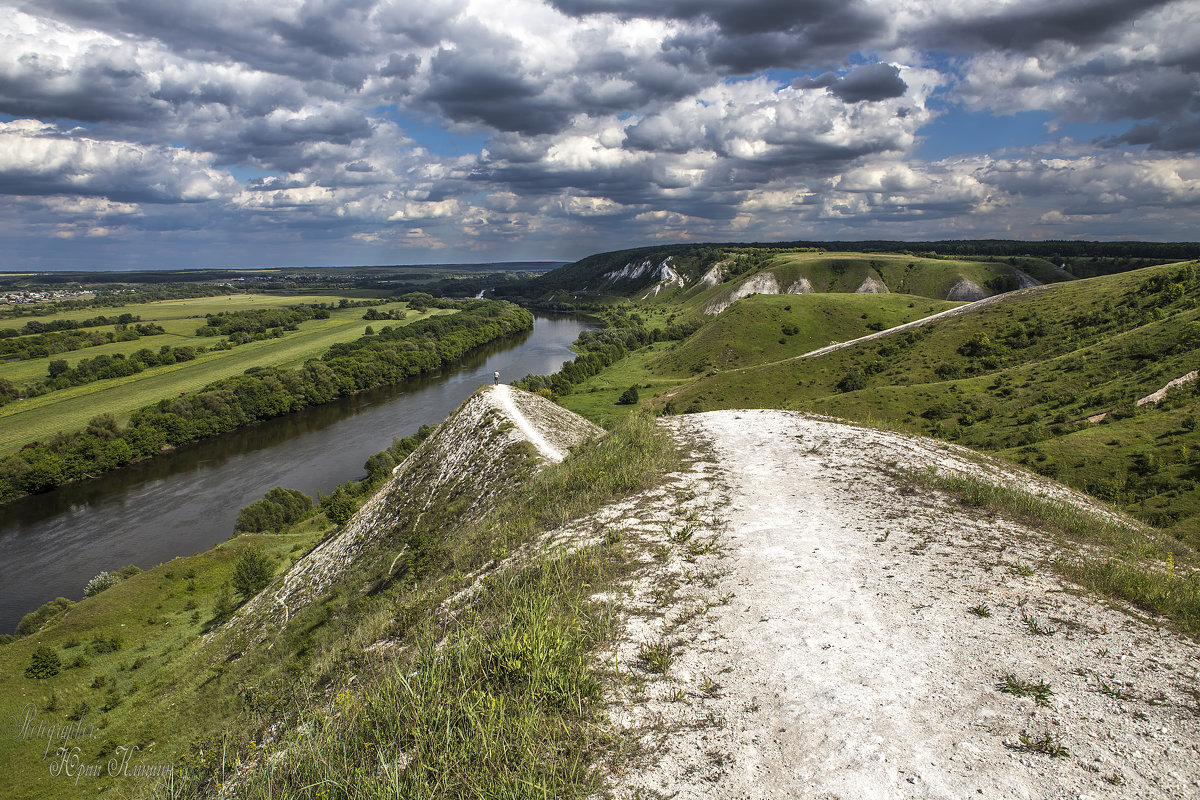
(339, 507)
(44, 663)
(106, 644)
(278, 507)
(852, 381)
(34, 620)
(101, 582)
(252, 572)
(978, 346)
(948, 371)
(629, 397)
(224, 604)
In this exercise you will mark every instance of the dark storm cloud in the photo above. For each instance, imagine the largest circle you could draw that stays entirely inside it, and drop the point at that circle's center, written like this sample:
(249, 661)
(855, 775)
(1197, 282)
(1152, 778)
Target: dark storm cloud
(38, 160)
(1178, 136)
(873, 82)
(43, 86)
(336, 125)
(400, 66)
(314, 43)
(750, 16)
(487, 87)
(1027, 26)
(756, 34)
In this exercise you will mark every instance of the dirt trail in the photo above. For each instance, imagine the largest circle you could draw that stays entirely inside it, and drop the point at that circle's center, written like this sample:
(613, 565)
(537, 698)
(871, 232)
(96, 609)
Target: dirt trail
(967, 308)
(845, 661)
(952, 312)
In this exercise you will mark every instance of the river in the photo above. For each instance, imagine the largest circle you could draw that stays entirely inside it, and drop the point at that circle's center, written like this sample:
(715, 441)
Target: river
(186, 501)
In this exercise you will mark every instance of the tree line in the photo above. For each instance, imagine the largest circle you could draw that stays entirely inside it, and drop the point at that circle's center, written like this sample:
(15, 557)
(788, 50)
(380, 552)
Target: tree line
(52, 343)
(35, 326)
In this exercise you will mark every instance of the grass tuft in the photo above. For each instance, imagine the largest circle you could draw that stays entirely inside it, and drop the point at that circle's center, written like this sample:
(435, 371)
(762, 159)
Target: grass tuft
(1134, 564)
(657, 655)
(1047, 744)
(1040, 691)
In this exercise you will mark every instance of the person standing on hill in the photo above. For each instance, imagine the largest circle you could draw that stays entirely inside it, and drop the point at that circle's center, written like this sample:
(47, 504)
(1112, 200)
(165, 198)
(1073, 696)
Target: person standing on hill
(496, 378)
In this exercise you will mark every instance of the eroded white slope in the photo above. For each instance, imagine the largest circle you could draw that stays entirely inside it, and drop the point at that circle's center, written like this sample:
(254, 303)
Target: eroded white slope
(467, 456)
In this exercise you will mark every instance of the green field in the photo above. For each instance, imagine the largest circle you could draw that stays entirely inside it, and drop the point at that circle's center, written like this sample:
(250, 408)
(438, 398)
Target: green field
(37, 418)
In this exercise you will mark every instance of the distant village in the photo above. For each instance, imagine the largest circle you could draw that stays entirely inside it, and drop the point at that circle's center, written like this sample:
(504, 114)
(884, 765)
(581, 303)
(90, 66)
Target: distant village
(20, 298)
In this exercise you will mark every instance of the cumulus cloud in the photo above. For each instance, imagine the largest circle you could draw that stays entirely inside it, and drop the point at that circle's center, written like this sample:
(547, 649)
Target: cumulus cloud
(589, 123)
(39, 159)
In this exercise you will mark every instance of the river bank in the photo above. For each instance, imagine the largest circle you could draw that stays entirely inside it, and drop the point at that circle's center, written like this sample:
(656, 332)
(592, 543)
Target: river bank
(185, 501)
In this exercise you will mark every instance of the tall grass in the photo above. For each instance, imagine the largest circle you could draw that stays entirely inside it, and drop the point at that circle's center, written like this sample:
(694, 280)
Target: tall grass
(497, 696)
(1132, 563)
(505, 707)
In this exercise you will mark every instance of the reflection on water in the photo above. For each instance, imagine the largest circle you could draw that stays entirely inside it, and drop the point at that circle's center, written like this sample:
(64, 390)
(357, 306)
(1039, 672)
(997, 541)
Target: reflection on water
(186, 501)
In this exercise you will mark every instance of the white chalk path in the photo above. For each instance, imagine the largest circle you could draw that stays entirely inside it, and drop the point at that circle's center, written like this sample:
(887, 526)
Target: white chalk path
(504, 398)
(967, 308)
(848, 663)
(916, 323)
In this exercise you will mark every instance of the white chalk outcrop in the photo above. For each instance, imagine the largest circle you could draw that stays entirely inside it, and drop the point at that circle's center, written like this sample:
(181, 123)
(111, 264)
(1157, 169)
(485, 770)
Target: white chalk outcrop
(635, 270)
(469, 457)
(872, 285)
(760, 283)
(801, 286)
(713, 276)
(966, 290)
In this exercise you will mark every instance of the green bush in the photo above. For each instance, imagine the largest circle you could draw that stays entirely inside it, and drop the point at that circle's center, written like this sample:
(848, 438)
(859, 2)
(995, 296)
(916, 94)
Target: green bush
(339, 507)
(629, 397)
(252, 572)
(278, 508)
(106, 644)
(852, 381)
(34, 620)
(224, 605)
(44, 663)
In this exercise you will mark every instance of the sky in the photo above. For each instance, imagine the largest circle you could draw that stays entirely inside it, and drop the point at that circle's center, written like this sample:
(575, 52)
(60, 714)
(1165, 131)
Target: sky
(249, 133)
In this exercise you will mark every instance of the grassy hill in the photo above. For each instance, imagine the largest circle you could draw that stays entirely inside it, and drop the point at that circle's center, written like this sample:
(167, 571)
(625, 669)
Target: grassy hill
(422, 645)
(1019, 378)
(706, 279)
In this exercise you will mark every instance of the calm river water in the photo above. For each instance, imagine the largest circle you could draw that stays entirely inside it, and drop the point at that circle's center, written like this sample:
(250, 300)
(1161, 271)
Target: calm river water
(185, 502)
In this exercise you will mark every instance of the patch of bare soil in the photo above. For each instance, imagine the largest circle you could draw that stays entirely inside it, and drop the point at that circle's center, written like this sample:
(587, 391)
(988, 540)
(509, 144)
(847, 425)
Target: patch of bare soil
(825, 631)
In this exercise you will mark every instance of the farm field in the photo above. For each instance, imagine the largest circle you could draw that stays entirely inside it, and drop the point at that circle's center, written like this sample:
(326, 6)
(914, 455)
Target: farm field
(70, 409)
